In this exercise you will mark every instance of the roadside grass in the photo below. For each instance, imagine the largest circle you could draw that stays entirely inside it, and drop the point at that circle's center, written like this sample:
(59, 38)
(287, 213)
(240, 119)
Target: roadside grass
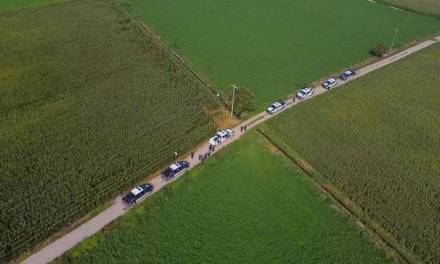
(89, 106)
(378, 140)
(275, 47)
(247, 204)
(429, 7)
(17, 4)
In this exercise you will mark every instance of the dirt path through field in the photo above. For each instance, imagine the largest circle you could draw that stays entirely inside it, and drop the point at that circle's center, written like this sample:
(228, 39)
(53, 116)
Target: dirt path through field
(68, 241)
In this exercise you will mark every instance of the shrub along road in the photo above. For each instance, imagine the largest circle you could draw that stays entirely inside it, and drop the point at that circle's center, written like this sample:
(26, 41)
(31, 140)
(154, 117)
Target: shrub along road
(68, 241)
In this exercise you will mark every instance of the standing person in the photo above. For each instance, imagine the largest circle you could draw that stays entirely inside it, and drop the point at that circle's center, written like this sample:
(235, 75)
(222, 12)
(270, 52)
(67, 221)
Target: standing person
(245, 128)
(213, 148)
(192, 155)
(241, 129)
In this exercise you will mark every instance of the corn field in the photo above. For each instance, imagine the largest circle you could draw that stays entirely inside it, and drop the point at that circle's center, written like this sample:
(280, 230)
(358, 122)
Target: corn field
(88, 107)
(378, 140)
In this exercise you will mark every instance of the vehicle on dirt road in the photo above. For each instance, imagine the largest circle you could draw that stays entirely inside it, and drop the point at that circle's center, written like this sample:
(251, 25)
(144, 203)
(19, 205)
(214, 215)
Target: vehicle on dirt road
(305, 92)
(138, 194)
(221, 136)
(330, 83)
(276, 107)
(175, 170)
(230, 132)
(215, 141)
(347, 75)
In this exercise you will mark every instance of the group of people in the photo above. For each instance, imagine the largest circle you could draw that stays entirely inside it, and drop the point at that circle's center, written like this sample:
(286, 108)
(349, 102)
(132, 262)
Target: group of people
(243, 128)
(206, 155)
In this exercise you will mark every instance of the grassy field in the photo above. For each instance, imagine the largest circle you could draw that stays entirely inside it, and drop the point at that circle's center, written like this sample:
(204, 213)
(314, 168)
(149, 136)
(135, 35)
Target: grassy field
(88, 107)
(430, 7)
(249, 204)
(16, 4)
(275, 47)
(378, 140)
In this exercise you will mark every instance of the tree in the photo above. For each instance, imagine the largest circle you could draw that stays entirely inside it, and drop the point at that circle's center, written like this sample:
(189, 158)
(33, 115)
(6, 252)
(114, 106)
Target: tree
(379, 51)
(244, 101)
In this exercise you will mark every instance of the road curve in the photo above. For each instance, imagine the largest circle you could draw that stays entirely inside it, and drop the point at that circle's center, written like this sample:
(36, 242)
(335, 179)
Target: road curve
(87, 229)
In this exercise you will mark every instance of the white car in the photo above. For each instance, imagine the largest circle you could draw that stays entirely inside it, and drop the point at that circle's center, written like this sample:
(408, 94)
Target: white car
(276, 107)
(215, 141)
(305, 92)
(230, 132)
(330, 83)
(221, 136)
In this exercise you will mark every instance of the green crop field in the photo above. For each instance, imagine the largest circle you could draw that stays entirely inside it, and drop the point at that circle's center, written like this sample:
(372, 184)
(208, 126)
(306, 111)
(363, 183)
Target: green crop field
(275, 47)
(89, 105)
(249, 204)
(430, 7)
(378, 139)
(16, 4)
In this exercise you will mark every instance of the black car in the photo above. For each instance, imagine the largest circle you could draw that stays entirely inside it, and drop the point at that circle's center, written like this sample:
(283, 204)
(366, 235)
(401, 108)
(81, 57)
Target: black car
(347, 75)
(175, 169)
(138, 194)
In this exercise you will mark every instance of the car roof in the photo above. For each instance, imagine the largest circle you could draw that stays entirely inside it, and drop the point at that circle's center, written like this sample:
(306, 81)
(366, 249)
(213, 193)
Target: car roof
(174, 166)
(221, 132)
(136, 191)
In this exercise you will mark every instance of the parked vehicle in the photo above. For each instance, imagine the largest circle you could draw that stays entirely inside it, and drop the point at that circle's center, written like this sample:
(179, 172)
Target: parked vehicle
(230, 132)
(175, 170)
(221, 136)
(276, 107)
(330, 83)
(305, 92)
(138, 194)
(347, 75)
(215, 140)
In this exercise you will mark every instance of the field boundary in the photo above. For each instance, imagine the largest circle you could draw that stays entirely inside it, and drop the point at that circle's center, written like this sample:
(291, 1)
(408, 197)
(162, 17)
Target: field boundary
(173, 54)
(382, 237)
(407, 9)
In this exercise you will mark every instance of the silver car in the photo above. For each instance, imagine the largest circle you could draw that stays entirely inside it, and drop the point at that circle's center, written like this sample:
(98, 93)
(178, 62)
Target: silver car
(305, 92)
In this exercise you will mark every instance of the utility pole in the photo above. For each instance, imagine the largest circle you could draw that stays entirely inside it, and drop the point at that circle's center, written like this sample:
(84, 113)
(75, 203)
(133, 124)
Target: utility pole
(233, 98)
(394, 38)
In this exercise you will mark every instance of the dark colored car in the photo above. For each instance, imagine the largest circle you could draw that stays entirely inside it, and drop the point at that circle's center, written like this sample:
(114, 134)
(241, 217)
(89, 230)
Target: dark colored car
(347, 75)
(138, 194)
(175, 169)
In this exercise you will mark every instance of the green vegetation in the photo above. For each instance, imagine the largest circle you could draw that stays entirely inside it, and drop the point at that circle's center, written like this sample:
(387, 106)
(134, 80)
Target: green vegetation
(243, 100)
(16, 4)
(275, 47)
(88, 106)
(248, 204)
(378, 140)
(430, 7)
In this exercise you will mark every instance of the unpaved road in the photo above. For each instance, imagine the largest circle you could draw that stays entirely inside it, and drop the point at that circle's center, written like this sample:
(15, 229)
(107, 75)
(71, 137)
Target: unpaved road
(68, 241)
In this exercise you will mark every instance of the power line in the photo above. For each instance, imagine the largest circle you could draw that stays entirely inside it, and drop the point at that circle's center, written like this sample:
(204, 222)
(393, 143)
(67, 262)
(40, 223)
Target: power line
(394, 38)
(233, 98)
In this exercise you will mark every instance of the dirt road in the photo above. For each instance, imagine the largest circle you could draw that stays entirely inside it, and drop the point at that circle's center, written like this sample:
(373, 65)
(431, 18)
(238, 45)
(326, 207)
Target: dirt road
(68, 241)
